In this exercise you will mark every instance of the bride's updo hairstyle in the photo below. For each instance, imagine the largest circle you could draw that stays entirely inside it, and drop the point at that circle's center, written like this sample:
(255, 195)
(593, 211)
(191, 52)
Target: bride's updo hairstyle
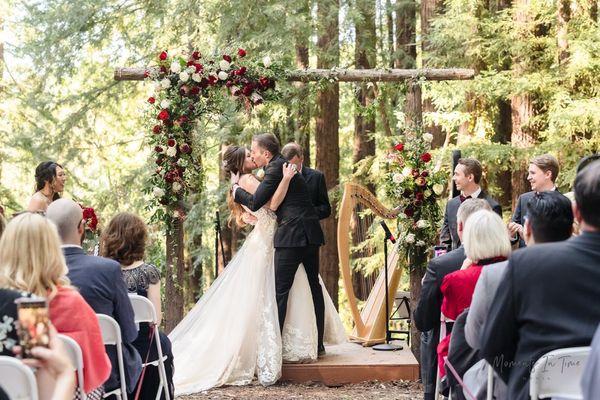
(233, 162)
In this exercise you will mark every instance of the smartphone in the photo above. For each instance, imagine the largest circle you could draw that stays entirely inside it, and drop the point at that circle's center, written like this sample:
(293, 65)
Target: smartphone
(33, 327)
(439, 250)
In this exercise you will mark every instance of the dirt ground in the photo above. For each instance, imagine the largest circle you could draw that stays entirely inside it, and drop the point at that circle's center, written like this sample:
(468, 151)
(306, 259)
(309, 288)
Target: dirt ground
(400, 390)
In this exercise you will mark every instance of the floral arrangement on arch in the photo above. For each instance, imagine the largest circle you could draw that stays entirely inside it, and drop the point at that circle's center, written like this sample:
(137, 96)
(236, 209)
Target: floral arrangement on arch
(189, 87)
(415, 186)
(91, 237)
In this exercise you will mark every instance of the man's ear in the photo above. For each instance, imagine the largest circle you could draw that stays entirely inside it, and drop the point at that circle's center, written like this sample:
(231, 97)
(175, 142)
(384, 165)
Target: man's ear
(576, 212)
(81, 227)
(527, 233)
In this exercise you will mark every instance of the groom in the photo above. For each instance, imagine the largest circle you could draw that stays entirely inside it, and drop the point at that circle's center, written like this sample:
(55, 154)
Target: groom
(298, 235)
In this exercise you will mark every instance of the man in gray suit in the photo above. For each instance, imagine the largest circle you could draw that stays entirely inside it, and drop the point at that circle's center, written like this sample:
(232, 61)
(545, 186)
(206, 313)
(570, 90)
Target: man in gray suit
(467, 176)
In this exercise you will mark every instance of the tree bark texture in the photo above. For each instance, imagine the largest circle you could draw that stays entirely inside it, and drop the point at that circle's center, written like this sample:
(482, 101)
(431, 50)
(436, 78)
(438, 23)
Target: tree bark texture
(174, 276)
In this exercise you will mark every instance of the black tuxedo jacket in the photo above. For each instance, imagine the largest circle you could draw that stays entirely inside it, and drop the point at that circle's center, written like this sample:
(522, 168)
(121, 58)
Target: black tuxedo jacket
(546, 301)
(449, 232)
(520, 213)
(297, 221)
(315, 180)
(426, 315)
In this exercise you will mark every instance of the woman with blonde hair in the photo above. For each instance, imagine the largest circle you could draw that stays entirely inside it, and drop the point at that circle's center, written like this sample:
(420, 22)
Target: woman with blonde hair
(31, 260)
(486, 241)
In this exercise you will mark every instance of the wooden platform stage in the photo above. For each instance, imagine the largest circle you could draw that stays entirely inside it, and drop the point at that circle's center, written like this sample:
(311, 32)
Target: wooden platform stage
(353, 363)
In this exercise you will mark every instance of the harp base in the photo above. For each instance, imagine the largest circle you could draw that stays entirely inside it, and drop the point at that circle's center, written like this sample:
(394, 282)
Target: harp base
(387, 347)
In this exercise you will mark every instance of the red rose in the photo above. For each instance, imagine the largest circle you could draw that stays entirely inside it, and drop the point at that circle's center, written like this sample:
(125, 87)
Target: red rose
(399, 146)
(212, 79)
(151, 100)
(241, 52)
(419, 196)
(169, 177)
(190, 63)
(199, 68)
(424, 174)
(185, 148)
(156, 129)
(195, 90)
(196, 55)
(226, 58)
(163, 56)
(163, 115)
(425, 157)
(242, 71)
(171, 142)
(247, 90)
(264, 82)
(158, 149)
(146, 74)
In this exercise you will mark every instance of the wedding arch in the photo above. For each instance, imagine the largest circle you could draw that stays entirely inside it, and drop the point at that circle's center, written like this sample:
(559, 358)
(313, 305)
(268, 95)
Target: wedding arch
(188, 88)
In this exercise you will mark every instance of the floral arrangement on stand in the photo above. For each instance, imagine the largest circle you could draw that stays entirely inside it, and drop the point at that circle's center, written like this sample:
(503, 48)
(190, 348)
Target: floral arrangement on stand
(91, 238)
(415, 186)
(189, 87)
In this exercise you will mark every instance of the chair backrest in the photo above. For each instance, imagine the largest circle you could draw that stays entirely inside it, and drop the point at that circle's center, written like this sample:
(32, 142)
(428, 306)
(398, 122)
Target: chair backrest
(558, 374)
(111, 332)
(17, 379)
(76, 357)
(143, 309)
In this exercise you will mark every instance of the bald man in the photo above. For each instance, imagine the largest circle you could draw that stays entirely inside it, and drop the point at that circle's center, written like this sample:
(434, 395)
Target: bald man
(101, 284)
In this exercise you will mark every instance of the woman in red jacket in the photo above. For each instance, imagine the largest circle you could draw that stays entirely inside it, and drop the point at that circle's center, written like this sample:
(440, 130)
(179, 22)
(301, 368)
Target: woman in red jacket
(486, 241)
(31, 260)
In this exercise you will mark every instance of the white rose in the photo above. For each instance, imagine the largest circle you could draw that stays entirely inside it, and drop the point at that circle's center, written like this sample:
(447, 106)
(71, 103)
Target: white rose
(224, 65)
(398, 178)
(223, 75)
(260, 173)
(438, 189)
(158, 192)
(157, 87)
(410, 238)
(427, 193)
(266, 61)
(406, 171)
(184, 76)
(181, 162)
(402, 216)
(176, 67)
(428, 137)
(171, 151)
(190, 70)
(420, 243)
(165, 103)
(176, 187)
(196, 77)
(165, 83)
(422, 224)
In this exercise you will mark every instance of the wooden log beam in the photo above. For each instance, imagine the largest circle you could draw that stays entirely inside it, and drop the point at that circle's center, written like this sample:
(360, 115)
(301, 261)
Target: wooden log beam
(343, 75)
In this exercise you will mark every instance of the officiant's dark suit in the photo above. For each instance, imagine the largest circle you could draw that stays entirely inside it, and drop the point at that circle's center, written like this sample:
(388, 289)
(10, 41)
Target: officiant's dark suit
(315, 180)
(426, 315)
(297, 238)
(546, 301)
(449, 232)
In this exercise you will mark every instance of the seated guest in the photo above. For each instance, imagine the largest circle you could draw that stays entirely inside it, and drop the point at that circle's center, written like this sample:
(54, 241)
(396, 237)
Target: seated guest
(542, 174)
(427, 313)
(467, 176)
(30, 260)
(101, 284)
(543, 303)
(50, 180)
(124, 240)
(485, 242)
(590, 381)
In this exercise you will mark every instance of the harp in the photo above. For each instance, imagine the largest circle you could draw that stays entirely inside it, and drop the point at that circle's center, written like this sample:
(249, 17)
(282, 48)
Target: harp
(358, 209)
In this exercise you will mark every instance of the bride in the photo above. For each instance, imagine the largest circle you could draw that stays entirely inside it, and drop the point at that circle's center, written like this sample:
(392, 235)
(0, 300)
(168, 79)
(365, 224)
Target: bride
(232, 333)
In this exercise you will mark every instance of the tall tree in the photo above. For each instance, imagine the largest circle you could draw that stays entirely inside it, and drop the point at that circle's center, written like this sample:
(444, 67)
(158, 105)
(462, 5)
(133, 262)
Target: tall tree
(327, 133)
(563, 18)
(301, 37)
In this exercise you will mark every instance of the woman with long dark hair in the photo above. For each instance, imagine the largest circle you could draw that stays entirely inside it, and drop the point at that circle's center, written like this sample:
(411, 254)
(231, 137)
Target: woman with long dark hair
(50, 180)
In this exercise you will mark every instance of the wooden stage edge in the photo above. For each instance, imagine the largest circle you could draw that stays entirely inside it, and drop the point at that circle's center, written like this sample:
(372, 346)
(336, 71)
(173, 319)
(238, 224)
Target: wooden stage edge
(353, 363)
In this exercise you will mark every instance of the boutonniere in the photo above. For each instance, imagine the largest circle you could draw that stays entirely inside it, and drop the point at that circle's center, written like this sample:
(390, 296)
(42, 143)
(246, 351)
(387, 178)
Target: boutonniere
(260, 174)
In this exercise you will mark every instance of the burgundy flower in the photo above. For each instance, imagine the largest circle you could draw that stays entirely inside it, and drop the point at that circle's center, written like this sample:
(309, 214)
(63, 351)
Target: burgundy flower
(204, 83)
(247, 90)
(241, 52)
(182, 120)
(425, 174)
(151, 100)
(399, 146)
(420, 181)
(242, 71)
(264, 82)
(227, 58)
(212, 79)
(158, 149)
(199, 68)
(163, 69)
(185, 148)
(425, 157)
(190, 63)
(171, 142)
(160, 160)
(163, 56)
(169, 177)
(163, 115)
(146, 74)
(415, 173)
(156, 129)
(407, 193)
(419, 196)
(409, 211)
(195, 90)
(196, 55)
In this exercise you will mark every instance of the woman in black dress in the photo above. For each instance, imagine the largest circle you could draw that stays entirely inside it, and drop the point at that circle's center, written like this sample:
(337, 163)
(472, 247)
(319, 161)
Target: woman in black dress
(124, 240)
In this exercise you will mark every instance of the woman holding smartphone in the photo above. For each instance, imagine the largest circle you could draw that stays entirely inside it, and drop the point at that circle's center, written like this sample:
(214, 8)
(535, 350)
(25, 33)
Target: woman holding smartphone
(31, 260)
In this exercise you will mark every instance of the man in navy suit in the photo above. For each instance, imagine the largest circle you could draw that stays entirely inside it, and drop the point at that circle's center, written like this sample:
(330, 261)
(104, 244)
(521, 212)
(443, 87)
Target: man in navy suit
(315, 180)
(101, 284)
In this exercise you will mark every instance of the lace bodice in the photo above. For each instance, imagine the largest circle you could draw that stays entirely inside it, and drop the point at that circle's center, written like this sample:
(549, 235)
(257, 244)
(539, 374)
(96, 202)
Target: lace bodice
(266, 221)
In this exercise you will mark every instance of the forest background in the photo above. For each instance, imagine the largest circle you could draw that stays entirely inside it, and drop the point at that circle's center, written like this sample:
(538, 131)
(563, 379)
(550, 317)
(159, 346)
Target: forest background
(536, 90)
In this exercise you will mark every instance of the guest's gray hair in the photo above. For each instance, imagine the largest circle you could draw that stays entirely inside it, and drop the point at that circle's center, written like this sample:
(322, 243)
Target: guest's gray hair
(485, 236)
(470, 206)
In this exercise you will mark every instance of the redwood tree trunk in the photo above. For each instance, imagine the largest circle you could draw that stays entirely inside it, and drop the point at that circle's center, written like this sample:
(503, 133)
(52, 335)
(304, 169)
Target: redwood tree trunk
(563, 15)
(327, 135)
(174, 279)
(303, 109)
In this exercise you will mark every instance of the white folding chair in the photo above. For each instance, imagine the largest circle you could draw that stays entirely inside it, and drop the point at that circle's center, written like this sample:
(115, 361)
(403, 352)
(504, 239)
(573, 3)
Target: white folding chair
(558, 374)
(111, 335)
(76, 357)
(490, 382)
(17, 379)
(144, 311)
(438, 380)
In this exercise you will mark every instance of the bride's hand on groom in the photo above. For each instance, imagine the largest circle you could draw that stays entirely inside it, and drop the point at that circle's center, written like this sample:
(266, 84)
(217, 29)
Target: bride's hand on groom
(289, 170)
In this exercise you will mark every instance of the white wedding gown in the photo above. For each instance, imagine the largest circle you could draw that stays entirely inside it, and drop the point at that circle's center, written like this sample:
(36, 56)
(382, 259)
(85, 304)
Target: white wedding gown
(232, 333)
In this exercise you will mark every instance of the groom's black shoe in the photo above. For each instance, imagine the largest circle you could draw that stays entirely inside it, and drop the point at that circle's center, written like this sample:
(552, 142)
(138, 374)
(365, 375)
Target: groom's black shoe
(322, 351)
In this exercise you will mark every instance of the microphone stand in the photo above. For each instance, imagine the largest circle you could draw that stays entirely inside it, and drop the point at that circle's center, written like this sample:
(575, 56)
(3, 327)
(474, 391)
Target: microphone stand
(218, 237)
(387, 346)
